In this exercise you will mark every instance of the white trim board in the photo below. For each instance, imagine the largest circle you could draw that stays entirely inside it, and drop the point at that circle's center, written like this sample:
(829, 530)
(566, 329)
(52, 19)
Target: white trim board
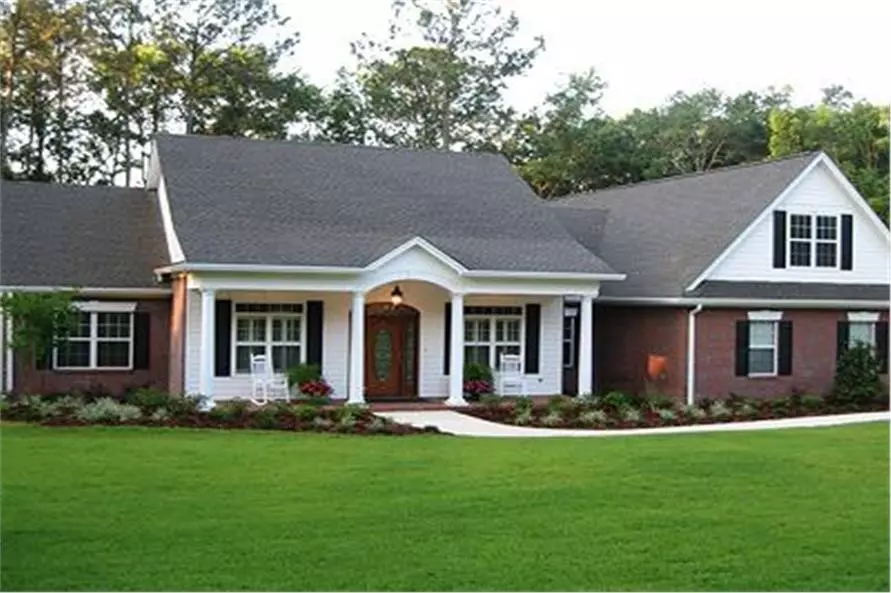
(716, 303)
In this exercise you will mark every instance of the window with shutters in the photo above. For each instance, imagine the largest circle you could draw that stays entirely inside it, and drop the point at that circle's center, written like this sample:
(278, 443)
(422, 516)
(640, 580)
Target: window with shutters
(274, 329)
(813, 241)
(763, 348)
(98, 341)
(489, 334)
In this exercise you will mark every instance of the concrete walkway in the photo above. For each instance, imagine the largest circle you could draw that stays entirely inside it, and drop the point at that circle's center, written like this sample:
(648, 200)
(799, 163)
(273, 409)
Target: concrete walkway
(464, 425)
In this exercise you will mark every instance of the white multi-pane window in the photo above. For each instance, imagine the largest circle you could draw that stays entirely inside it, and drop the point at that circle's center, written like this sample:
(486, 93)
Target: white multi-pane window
(98, 340)
(762, 348)
(490, 332)
(273, 329)
(813, 241)
(861, 332)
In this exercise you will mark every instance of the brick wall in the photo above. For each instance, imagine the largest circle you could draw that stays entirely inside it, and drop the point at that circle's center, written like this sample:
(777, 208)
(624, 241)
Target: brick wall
(813, 354)
(30, 380)
(624, 339)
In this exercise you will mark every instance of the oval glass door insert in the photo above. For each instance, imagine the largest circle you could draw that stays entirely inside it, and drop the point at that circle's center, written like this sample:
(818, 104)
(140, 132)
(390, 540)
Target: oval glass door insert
(383, 355)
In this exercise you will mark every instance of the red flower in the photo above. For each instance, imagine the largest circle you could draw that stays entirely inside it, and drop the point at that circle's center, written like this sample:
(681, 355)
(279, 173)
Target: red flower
(315, 388)
(477, 387)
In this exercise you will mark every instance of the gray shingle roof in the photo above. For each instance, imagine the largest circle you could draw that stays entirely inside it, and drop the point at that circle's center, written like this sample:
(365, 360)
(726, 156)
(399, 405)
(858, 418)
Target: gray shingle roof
(792, 290)
(239, 201)
(664, 233)
(65, 235)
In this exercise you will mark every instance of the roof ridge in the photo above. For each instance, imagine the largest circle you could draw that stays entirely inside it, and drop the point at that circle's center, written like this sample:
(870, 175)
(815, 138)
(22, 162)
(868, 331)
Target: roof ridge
(789, 157)
(329, 144)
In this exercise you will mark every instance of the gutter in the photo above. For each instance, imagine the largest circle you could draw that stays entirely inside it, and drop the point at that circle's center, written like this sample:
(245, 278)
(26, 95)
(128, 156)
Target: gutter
(93, 291)
(717, 303)
(691, 353)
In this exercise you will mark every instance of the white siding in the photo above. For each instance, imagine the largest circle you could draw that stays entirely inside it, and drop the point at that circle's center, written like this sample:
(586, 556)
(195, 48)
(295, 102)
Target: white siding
(334, 346)
(427, 298)
(818, 193)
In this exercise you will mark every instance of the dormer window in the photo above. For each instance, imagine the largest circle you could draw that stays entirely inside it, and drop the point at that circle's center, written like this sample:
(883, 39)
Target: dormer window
(813, 241)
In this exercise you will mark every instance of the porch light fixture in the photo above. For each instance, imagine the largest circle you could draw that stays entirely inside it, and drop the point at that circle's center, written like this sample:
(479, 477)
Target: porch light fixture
(396, 296)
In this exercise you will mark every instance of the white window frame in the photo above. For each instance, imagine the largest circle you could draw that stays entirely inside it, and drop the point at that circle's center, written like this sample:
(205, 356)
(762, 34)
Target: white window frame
(570, 313)
(813, 241)
(492, 343)
(866, 318)
(267, 344)
(94, 309)
(772, 317)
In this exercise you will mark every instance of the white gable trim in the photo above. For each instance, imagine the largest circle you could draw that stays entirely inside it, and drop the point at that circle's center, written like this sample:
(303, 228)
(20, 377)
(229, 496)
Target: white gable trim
(856, 197)
(754, 224)
(738, 303)
(421, 243)
(174, 248)
(105, 306)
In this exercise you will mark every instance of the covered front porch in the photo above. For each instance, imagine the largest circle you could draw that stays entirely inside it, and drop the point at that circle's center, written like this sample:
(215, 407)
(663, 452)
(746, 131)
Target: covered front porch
(401, 329)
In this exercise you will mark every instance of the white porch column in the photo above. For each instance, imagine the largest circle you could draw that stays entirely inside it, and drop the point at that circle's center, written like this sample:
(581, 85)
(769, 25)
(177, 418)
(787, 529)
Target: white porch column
(8, 355)
(456, 355)
(357, 350)
(586, 345)
(206, 362)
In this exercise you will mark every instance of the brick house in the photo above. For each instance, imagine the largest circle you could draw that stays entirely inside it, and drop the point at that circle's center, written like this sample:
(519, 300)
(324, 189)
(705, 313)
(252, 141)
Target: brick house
(392, 268)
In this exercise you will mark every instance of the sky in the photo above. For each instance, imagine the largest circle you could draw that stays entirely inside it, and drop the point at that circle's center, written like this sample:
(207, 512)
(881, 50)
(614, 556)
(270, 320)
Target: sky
(647, 49)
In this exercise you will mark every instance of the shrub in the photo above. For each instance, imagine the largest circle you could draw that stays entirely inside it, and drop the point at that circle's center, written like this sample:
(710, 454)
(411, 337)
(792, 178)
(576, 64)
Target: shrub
(317, 388)
(593, 417)
(160, 415)
(747, 410)
(491, 400)
(30, 408)
(564, 404)
(377, 424)
(475, 371)
(720, 410)
(108, 410)
(695, 412)
(631, 415)
(231, 411)
(660, 402)
(811, 402)
(667, 415)
(303, 373)
(66, 406)
(266, 418)
(186, 405)
(477, 388)
(148, 399)
(618, 400)
(523, 405)
(552, 418)
(523, 417)
(322, 423)
(306, 412)
(857, 376)
(736, 401)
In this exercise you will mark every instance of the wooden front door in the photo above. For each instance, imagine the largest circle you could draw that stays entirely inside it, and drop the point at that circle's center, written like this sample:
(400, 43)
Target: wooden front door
(391, 352)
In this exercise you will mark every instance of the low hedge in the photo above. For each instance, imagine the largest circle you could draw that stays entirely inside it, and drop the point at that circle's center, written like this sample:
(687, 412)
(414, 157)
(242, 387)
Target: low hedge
(619, 411)
(154, 408)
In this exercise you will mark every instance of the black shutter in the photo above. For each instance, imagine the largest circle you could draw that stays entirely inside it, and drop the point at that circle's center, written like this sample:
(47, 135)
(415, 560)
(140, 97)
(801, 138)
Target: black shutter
(141, 339)
(847, 237)
(448, 338)
(315, 311)
(779, 238)
(841, 338)
(223, 339)
(784, 357)
(882, 345)
(533, 339)
(742, 348)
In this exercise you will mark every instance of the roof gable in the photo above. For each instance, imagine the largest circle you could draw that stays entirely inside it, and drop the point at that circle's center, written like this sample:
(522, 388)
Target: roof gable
(664, 233)
(239, 201)
(820, 189)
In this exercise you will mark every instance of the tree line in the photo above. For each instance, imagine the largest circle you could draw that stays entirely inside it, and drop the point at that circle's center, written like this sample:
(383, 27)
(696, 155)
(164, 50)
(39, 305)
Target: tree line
(86, 83)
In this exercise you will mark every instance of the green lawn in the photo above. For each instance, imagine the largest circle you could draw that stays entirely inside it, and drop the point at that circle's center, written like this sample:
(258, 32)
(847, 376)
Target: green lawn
(152, 509)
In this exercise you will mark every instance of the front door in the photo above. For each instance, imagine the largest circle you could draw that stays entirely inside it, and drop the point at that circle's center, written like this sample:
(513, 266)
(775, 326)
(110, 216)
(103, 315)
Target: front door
(391, 335)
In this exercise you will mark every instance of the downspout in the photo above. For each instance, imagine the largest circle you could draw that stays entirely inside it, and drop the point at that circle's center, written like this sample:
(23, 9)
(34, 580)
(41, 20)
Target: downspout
(691, 353)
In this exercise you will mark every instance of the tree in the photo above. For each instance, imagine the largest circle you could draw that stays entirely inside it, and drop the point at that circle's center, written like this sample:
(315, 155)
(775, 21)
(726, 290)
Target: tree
(447, 91)
(40, 321)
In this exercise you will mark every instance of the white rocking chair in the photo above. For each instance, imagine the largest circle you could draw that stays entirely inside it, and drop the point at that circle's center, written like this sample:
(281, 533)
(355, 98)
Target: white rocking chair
(265, 383)
(510, 375)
